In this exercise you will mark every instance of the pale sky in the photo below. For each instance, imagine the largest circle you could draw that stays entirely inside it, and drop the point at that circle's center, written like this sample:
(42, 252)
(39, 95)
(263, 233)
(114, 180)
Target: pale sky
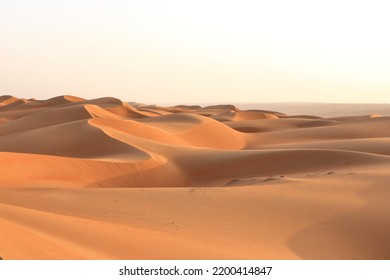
(179, 51)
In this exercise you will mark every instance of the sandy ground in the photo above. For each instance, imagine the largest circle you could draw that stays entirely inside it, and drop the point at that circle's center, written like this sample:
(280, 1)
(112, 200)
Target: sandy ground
(101, 179)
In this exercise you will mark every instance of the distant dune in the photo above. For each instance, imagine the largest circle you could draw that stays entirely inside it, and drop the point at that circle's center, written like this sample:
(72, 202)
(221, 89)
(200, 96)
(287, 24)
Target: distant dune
(106, 179)
(322, 109)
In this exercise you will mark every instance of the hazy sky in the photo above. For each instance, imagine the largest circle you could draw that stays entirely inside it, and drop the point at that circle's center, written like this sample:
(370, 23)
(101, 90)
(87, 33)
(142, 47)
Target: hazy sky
(178, 51)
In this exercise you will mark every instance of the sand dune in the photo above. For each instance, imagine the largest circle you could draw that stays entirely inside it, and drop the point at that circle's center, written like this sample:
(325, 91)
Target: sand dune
(253, 115)
(102, 179)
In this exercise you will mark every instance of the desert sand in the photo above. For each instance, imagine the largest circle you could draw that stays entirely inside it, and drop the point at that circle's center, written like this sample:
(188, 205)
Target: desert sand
(102, 179)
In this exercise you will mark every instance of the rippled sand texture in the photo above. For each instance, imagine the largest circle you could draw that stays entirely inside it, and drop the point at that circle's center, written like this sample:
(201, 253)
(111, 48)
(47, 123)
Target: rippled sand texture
(100, 179)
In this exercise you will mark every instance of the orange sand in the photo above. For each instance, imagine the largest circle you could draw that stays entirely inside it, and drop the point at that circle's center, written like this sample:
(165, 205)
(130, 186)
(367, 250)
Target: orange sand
(101, 179)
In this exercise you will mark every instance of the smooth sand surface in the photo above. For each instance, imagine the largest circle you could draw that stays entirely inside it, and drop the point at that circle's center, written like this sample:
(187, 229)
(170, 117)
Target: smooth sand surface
(103, 179)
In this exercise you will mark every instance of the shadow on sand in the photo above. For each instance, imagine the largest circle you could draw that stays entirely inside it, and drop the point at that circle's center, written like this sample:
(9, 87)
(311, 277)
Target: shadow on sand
(362, 234)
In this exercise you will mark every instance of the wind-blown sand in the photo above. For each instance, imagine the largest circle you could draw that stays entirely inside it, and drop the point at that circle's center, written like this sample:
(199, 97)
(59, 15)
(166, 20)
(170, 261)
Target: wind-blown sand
(101, 179)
